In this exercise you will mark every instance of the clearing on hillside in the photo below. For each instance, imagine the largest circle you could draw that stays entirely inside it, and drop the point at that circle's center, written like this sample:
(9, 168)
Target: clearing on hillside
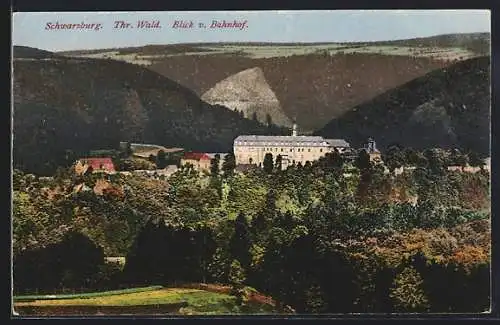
(154, 301)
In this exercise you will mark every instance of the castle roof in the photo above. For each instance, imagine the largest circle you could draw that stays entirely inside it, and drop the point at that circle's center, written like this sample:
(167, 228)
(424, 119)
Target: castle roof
(196, 156)
(310, 141)
(99, 163)
(337, 142)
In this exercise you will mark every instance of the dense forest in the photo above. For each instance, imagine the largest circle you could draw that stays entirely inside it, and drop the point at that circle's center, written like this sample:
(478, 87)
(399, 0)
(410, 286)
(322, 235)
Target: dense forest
(328, 237)
(448, 108)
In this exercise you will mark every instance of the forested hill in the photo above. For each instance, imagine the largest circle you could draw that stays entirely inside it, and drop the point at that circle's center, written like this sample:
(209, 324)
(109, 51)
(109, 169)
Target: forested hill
(82, 104)
(448, 107)
(31, 53)
(476, 42)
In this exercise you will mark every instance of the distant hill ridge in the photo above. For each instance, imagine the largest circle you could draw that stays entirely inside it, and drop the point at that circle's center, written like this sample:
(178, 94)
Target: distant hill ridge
(313, 82)
(30, 52)
(440, 40)
(476, 42)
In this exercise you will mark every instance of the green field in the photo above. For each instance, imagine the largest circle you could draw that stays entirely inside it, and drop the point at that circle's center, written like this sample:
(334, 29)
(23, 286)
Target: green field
(193, 301)
(84, 295)
(259, 51)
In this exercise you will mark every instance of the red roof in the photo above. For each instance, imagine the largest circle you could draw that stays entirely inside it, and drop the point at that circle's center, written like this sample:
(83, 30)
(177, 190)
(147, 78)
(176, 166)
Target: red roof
(99, 163)
(196, 156)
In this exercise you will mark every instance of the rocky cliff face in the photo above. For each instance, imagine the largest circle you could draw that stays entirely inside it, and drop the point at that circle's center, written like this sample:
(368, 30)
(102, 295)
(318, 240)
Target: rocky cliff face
(249, 92)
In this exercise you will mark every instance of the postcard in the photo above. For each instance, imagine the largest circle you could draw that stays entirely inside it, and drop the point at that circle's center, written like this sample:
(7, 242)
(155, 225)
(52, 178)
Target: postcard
(251, 163)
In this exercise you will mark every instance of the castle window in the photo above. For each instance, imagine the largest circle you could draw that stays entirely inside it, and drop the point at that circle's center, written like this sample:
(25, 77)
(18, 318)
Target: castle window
(320, 150)
(281, 149)
(309, 150)
(291, 150)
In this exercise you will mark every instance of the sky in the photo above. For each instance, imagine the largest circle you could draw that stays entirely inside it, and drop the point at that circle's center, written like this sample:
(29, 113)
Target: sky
(29, 29)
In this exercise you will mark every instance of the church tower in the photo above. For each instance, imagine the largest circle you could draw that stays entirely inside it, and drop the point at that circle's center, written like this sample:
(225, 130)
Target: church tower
(372, 146)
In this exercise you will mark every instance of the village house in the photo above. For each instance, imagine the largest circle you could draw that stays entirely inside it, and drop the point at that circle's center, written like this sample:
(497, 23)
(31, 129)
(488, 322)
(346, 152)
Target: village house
(94, 165)
(373, 152)
(470, 169)
(465, 169)
(252, 149)
(199, 161)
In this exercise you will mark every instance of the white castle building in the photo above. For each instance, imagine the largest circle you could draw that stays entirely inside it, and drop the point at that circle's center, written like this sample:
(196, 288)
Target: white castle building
(251, 149)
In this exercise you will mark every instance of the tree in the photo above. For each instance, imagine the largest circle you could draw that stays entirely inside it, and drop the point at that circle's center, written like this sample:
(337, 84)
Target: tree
(475, 160)
(269, 120)
(279, 162)
(161, 159)
(70, 157)
(271, 198)
(394, 157)
(126, 151)
(254, 116)
(315, 299)
(268, 163)
(185, 255)
(333, 160)
(240, 242)
(73, 262)
(237, 277)
(413, 157)
(363, 160)
(457, 158)
(214, 165)
(436, 160)
(229, 164)
(407, 292)
(71, 250)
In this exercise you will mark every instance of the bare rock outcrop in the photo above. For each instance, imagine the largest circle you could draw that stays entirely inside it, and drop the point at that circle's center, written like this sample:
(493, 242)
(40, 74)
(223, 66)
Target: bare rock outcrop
(249, 92)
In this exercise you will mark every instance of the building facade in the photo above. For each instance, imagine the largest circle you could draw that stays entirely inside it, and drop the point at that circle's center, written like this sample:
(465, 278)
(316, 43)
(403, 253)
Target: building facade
(95, 165)
(199, 161)
(294, 149)
(373, 152)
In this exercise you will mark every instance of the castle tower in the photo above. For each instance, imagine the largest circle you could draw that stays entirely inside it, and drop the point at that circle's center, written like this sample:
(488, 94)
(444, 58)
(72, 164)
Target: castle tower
(294, 129)
(372, 146)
